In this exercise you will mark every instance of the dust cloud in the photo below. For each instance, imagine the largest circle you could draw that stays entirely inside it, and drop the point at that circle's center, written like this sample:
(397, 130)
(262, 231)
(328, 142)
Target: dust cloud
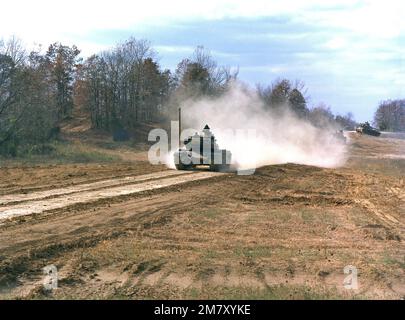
(258, 137)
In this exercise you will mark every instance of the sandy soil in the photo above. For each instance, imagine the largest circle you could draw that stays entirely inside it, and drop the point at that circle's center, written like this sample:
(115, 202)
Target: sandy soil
(140, 232)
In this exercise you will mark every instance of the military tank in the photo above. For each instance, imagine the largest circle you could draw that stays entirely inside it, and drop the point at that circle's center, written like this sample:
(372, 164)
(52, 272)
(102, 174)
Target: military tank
(202, 150)
(366, 128)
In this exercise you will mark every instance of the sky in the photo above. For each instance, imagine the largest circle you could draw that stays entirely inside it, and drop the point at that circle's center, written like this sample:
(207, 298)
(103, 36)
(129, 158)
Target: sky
(350, 54)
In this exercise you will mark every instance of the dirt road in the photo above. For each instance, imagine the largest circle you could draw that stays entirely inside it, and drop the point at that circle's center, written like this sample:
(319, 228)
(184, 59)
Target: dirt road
(37, 202)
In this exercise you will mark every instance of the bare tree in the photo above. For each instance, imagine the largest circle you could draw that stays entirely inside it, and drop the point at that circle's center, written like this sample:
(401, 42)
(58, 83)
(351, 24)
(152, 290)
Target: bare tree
(201, 75)
(346, 122)
(14, 49)
(125, 85)
(390, 115)
(321, 116)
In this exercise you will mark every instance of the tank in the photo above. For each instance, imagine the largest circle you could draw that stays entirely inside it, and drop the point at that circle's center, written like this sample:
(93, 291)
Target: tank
(366, 128)
(202, 149)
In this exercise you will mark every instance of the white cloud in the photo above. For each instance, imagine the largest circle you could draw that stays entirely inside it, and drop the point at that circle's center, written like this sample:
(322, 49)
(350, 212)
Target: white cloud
(336, 43)
(49, 20)
(175, 49)
(377, 19)
(277, 69)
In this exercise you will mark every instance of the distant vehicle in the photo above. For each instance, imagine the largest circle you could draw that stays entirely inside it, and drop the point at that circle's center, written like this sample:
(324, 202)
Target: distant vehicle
(366, 128)
(340, 136)
(202, 149)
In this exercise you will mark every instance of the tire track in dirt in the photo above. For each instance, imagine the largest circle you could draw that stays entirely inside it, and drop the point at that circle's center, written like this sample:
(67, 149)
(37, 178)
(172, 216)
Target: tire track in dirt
(383, 216)
(40, 205)
(365, 200)
(15, 198)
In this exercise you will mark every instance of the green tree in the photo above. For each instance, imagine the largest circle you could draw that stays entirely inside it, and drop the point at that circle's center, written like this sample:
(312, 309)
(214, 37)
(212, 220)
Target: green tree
(10, 113)
(283, 93)
(297, 102)
(26, 105)
(280, 92)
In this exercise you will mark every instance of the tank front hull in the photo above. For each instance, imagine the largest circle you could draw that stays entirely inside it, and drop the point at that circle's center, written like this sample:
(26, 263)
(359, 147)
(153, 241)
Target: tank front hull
(219, 160)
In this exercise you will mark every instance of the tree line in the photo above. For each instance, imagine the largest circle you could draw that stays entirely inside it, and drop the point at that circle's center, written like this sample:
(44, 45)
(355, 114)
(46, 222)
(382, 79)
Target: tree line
(390, 115)
(120, 88)
(124, 87)
(36, 92)
(284, 93)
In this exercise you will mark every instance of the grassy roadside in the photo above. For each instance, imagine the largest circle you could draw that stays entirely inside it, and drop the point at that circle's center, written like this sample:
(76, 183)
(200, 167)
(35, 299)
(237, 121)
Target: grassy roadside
(59, 152)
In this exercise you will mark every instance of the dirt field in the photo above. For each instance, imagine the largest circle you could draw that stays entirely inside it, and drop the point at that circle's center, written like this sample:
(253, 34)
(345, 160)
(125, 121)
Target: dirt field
(131, 230)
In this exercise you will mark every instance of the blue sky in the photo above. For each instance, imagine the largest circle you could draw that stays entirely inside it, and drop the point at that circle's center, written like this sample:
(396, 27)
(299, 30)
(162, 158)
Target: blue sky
(350, 54)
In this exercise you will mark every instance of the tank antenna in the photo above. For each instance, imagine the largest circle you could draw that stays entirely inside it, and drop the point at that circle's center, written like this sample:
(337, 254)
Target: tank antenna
(179, 127)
